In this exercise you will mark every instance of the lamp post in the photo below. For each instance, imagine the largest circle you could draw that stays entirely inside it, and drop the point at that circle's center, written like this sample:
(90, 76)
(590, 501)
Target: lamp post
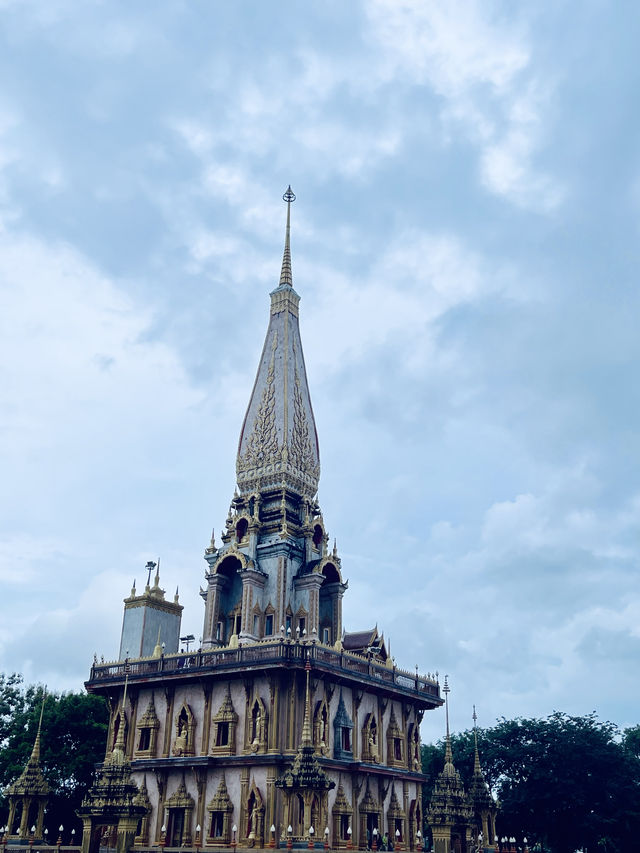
(73, 837)
(349, 834)
(234, 829)
(311, 831)
(524, 842)
(46, 833)
(272, 843)
(32, 836)
(163, 836)
(326, 838)
(418, 840)
(374, 844)
(60, 831)
(398, 844)
(289, 841)
(197, 837)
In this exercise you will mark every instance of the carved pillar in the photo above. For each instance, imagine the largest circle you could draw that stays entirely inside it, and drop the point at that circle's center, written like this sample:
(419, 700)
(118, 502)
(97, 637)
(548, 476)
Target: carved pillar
(161, 784)
(206, 723)
(274, 716)
(270, 817)
(168, 723)
(131, 734)
(217, 584)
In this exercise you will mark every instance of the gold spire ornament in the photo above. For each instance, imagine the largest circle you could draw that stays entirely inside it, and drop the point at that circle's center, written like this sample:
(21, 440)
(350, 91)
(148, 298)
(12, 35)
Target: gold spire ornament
(286, 277)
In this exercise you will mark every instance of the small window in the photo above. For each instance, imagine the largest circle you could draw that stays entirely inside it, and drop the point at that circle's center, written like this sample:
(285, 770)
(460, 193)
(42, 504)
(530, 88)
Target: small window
(268, 625)
(317, 535)
(145, 739)
(325, 636)
(302, 624)
(346, 739)
(241, 529)
(256, 625)
(397, 749)
(217, 824)
(344, 826)
(288, 625)
(219, 631)
(222, 735)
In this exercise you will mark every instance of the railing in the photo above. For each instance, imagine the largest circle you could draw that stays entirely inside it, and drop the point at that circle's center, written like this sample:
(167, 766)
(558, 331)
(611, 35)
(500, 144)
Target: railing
(272, 652)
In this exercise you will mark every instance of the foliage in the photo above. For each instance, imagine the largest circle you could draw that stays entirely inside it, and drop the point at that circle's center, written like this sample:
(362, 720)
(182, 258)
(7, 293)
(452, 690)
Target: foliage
(564, 782)
(74, 731)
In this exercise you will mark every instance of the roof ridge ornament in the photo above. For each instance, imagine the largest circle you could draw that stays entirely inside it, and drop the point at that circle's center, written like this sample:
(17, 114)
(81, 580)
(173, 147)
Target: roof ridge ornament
(286, 277)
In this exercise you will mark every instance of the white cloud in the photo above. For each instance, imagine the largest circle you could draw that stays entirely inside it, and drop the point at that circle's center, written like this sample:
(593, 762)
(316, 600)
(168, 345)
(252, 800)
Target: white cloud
(481, 67)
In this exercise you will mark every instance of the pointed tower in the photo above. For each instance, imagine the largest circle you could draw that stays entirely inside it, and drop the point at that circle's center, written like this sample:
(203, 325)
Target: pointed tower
(306, 779)
(30, 793)
(274, 548)
(245, 715)
(113, 798)
(483, 805)
(449, 814)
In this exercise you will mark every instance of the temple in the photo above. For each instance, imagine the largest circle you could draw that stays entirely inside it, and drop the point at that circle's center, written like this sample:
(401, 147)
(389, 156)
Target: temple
(461, 821)
(282, 728)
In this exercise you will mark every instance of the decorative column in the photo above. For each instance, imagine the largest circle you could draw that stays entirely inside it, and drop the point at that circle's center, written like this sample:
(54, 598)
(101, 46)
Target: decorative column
(216, 585)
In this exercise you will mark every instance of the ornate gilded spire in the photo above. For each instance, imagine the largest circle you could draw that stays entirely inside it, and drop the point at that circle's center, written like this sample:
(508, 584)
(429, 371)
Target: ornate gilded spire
(35, 752)
(476, 758)
(479, 794)
(306, 725)
(286, 277)
(278, 445)
(117, 754)
(448, 756)
(31, 781)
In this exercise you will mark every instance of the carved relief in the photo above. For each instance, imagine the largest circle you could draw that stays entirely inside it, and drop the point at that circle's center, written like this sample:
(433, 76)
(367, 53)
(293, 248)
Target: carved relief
(142, 799)
(262, 445)
(301, 452)
(370, 739)
(257, 729)
(185, 732)
(220, 809)
(224, 728)
(321, 728)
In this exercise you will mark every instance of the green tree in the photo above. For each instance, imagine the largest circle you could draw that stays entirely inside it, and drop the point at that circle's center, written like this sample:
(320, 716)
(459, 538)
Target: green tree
(74, 730)
(565, 782)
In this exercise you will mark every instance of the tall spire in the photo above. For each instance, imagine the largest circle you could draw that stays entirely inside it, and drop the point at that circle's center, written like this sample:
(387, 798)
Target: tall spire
(278, 445)
(476, 758)
(286, 277)
(35, 752)
(117, 754)
(306, 725)
(448, 755)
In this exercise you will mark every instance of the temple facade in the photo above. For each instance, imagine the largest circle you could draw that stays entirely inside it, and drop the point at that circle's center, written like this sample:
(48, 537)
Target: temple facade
(281, 725)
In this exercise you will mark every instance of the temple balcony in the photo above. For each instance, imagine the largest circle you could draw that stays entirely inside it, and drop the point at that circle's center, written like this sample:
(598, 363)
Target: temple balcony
(343, 667)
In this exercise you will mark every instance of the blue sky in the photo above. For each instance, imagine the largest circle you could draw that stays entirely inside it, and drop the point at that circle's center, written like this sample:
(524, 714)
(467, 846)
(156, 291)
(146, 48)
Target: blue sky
(465, 242)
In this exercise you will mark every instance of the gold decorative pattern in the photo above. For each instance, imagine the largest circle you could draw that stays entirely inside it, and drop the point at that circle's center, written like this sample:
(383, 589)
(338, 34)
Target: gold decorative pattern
(262, 445)
(301, 453)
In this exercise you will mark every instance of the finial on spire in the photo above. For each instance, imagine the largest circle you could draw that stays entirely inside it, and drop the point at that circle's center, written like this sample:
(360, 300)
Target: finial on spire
(286, 277)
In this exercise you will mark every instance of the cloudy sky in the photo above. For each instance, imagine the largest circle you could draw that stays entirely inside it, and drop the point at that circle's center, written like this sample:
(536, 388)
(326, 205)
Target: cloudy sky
(465, 242)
